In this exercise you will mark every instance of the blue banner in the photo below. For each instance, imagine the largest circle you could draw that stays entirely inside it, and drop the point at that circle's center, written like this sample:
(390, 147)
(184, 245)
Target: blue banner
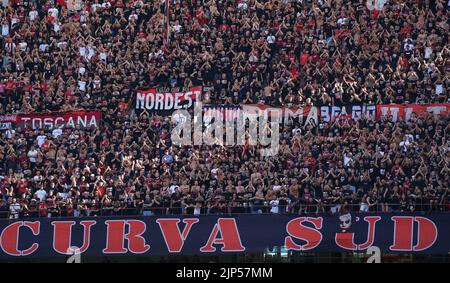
(190, 235)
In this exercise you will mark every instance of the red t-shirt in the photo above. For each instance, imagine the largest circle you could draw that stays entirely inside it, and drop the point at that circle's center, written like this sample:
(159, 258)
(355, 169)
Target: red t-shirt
(405, 30)
(154, 182)
(83, 186)
(304, 58)
(224, 27)
(101, 190)
(43, 86)
(22, 186)
(43, 209)
(23, 160)
(163, 135)
(291, 57)
(119, 4)
(311, 22)
(123, 108)
(102, 168)
(341, 33)
(69, 95)
(403, 61)
(9, 86)
(61, 3)
(298, 27)
(104, 142)
(312, 162)
(27, 87)
(50, 19)
(294, 72)
(45, 144)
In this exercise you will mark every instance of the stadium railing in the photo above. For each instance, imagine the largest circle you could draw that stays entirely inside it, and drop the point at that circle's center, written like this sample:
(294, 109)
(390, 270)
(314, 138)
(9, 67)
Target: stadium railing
(227, 210)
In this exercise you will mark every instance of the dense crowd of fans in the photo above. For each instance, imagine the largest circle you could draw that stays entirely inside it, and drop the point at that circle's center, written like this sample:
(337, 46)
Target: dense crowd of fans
(273, 52)
(359, 165)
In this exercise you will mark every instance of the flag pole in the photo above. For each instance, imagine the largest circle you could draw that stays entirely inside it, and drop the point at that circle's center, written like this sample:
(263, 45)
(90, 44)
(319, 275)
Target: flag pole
(166, 23)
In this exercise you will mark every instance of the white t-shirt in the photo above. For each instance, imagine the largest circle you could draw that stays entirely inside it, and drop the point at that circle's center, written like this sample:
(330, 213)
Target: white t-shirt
(41, 194)
(91, 52)
(82, 51)
(176, 28)
(14, 208)
(133, 16)
(428, 52)
(214, 171)
(10, 46)
(57, 132)
(23, 46)
(439, 89)
(56, 27)
(408, 46)
(83, 16)
(63, 195)
(73, 137)
(242, 5)
(82, 85)
(33, 15)
(346, 160)
(405, 144)
(270, 39)
(95, 6)
(41, 140)
(375, 4)
(380, 4)
(10, 133)
(14, 21)
(409, 137)
(5, 30)
(173, 189)
(276, 188)
(61, 44)
(37, 178)
(54, 12)
(43, 47)
(342, 21)
(274, 205)
(32, 155)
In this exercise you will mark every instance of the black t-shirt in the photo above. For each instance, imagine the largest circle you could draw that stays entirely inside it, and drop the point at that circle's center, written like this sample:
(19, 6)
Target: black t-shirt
(365, 185)
(282, 202)
(176, 201)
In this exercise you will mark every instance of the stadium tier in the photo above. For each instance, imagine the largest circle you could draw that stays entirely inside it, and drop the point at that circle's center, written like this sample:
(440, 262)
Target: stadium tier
(236, 114)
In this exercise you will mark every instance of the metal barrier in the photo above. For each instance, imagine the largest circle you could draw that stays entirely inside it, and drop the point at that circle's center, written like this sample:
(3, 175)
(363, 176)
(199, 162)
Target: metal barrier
(228, 210)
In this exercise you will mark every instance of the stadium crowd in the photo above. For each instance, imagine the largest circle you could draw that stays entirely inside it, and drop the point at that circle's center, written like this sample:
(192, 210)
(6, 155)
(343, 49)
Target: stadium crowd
(268, 52)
